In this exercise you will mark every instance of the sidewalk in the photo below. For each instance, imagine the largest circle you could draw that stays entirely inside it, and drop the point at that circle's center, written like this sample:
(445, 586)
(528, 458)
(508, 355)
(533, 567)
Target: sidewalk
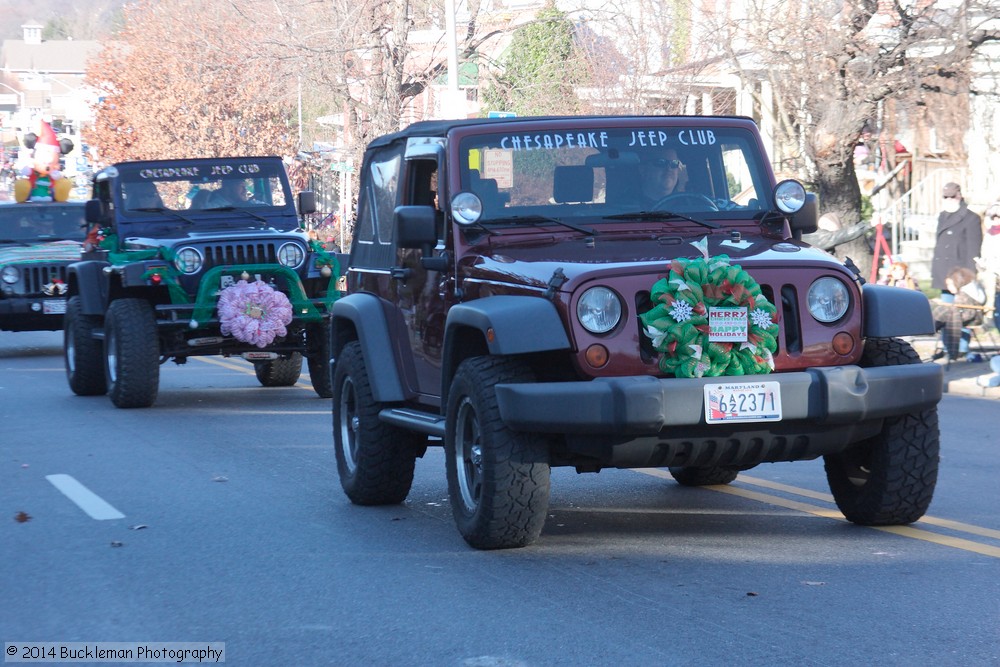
(960, 376)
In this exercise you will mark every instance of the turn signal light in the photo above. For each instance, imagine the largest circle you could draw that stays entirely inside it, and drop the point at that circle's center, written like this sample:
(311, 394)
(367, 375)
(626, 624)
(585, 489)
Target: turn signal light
(597, 355)
(843, 343)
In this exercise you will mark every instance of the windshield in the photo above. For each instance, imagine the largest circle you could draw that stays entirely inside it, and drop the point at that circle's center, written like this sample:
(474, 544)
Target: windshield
(203, 187)
(29, 223)
(616, 172)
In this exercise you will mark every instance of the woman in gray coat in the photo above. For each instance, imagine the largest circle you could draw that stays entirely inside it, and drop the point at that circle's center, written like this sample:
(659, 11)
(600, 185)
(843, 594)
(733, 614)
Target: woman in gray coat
(959, 237)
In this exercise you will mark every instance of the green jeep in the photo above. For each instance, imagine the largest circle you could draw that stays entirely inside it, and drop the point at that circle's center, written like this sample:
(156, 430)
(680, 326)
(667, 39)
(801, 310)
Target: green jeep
(193, 258)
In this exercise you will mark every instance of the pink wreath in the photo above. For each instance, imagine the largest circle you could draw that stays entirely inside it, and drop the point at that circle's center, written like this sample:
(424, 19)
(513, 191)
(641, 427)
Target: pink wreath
(254, 312)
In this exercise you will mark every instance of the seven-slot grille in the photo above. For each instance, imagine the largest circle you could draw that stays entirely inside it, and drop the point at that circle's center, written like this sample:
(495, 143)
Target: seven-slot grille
(785, 300)
(34, 277)
(226, 254)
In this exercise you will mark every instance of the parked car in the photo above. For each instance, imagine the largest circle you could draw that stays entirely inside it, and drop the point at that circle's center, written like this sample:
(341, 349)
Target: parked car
(193, 258)
(613, 292)
(38, 240)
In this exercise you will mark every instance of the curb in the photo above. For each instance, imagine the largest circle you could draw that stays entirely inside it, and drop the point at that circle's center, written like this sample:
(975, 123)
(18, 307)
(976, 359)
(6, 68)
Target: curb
(960, 378)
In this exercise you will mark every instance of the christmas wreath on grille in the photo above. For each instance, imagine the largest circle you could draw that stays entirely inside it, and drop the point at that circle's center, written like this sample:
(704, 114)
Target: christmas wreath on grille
(679, 322)
(254, 312)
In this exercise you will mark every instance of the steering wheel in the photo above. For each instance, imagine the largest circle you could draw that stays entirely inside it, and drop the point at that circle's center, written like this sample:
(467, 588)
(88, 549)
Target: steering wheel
(696, 202)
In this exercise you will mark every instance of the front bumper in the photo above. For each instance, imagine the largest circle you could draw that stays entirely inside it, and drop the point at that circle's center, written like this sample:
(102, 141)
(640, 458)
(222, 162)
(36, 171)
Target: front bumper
(32, 313)
(818, 398)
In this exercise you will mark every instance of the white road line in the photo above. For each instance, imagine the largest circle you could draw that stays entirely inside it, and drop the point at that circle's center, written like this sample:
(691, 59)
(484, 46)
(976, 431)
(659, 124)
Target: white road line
(87, 500)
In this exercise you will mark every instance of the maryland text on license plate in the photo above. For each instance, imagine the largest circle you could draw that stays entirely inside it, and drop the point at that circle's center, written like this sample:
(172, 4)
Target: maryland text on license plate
(742, 402)
(54, 306)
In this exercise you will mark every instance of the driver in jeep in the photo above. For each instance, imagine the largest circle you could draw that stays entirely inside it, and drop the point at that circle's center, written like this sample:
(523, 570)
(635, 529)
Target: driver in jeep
(661, 175)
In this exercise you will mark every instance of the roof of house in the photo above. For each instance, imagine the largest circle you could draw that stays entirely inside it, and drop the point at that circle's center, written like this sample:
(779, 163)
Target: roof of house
(51, 56)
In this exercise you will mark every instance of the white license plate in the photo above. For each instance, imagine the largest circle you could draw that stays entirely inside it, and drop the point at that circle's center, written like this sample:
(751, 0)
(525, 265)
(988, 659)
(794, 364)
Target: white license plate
(54, 307)
(728, 402)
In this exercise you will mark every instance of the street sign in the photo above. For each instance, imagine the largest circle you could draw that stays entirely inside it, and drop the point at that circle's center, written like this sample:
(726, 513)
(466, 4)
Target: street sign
(501, 114)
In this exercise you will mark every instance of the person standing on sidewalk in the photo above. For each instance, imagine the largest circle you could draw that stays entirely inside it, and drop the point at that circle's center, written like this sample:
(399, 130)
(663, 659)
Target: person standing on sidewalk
(959, 237)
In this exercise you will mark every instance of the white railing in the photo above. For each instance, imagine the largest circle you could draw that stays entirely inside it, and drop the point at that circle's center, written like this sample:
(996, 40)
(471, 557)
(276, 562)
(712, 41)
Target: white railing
(906, 216)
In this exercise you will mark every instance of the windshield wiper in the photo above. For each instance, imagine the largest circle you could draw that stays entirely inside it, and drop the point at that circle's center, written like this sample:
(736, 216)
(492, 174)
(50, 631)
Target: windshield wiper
(167, 211)
(241, 210)
(535, 219)
(660, 215)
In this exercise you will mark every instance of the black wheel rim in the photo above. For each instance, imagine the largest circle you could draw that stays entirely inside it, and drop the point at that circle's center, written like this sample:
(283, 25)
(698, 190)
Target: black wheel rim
(468, 455)
(70, 348)
(349, 425)
(856, 467)
(111, 353)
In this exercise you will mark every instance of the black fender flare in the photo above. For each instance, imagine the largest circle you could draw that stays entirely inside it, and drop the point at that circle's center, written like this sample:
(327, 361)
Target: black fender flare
(895, 311)
(508, 324)
(367, 318)
(88, 281)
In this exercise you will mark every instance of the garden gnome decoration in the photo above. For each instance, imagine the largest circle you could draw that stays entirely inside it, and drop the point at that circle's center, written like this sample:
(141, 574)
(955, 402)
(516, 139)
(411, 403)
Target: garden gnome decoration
(42, 181)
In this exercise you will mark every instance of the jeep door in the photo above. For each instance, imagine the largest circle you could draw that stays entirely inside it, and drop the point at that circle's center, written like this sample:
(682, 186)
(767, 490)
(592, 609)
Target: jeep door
(411, 296)
(423, 291)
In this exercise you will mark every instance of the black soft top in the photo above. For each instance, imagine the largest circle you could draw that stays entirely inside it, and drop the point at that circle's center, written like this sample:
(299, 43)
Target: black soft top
(440, 128)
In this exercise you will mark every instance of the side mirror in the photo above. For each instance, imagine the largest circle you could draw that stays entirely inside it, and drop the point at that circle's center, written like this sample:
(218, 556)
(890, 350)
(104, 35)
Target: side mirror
(307, 202)
(806, 219)
(96, 212)
(416, 227)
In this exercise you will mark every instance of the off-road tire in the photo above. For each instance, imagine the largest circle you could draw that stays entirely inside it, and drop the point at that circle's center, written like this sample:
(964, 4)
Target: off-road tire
(131, 353)
(888, 479)
(318, 359)
(375, 460)
(83, 353)
(498, 479)
(279, 372)
(691, 476)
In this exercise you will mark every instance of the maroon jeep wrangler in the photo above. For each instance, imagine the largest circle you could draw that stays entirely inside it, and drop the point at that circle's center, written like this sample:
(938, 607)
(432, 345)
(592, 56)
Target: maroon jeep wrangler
(613, 292)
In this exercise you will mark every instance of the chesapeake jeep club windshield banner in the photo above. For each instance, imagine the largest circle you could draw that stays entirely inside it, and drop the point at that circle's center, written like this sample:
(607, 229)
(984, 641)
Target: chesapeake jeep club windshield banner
(604, 139)
(203, 171)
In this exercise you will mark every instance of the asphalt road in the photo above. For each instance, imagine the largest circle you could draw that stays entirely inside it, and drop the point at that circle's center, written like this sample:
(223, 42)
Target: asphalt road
(220, 519)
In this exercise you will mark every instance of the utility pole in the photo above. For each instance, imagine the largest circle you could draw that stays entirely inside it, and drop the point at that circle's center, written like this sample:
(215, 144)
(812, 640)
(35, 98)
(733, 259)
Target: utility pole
(453, 102)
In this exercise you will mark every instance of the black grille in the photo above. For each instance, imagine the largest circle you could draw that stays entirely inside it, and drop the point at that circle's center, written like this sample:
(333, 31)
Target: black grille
(785, 300)
(34, 277)
(227, 254)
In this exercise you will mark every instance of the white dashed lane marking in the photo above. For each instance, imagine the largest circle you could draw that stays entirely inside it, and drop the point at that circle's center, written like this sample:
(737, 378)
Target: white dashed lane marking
(91, 503)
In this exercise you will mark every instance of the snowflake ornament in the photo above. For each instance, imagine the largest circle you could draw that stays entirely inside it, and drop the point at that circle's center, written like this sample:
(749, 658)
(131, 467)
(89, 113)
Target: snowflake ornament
(762, 319)
(681, 311)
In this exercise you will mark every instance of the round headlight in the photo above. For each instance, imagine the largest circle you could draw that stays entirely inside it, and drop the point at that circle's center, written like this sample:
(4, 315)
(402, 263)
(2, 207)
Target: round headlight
(599, 310)
(466, 208)
(291, 255)
(789, 196)
(188, 260)
(828, 299)
(10, 274)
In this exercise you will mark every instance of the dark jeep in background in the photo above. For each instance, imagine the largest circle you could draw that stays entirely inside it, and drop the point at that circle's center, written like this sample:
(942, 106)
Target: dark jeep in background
(498, 279)
(38, 240)
(168, 238)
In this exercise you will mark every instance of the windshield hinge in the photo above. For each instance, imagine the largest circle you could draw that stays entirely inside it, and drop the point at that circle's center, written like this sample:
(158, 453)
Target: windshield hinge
(555, 282)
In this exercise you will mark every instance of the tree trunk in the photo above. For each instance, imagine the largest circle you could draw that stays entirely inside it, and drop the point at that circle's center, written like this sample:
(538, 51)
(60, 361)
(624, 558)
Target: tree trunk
(840, 193)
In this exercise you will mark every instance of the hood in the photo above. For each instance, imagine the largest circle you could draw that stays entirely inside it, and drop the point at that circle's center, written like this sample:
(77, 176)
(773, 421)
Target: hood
(196, 236)
(533, 262)
(50, 251)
